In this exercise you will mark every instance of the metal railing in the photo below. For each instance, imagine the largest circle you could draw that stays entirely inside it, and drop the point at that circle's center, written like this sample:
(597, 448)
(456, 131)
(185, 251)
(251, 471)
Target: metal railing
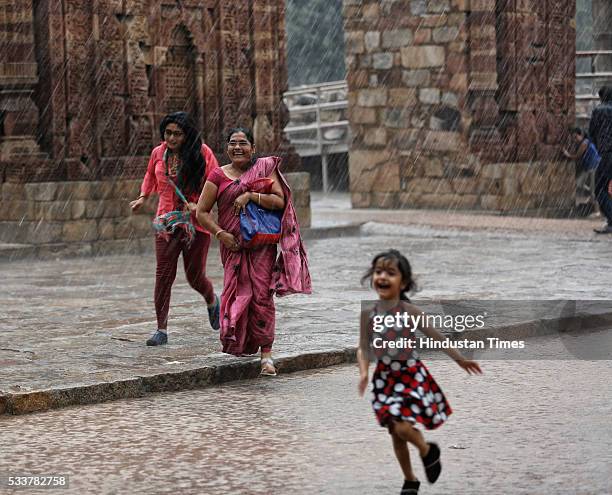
(585, 101)
(318, 122)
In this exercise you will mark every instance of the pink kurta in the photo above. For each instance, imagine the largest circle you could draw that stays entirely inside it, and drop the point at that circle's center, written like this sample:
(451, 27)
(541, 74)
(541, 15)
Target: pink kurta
(156, 181)
(251, 276)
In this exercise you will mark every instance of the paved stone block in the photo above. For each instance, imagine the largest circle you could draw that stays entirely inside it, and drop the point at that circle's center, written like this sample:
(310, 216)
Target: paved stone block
(372, 40)
(80, 231)
(360, 115)
(301, 199)
(372, 97)
(398, 117)
(490, 202)
(17, 210)
(387, 200)
(372, 170)
(30, 232)
(12, 190)
(382, 61)
(361, 200)
(304, 217)
(415, 78)
(418, 7)
(41, 191)
(376, 137)
(52, 210)
(442, 141)
(106, 229)
(429, 96)
(419, 57)
(396, 38)
(438, 6)
(445, 34)
(422, 36)
(298, 181)
(371, 12)
(354, 42)
(402, 97)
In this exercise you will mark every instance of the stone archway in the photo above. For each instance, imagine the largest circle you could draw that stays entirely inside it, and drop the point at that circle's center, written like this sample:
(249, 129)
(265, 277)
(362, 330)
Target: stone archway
(178, 76)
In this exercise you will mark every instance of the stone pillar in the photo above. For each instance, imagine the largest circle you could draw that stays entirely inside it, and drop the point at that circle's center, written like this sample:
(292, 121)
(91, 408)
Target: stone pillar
(18, 78)
(457, 104)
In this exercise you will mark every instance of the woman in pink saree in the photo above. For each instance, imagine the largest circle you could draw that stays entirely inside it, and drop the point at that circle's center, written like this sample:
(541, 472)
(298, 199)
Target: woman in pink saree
(251, 276)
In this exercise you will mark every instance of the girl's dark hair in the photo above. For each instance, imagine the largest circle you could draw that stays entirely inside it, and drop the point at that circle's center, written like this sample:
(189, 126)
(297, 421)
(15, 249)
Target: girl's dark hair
(577, 130)
(191, 172)
(403, 266)
(247, 132)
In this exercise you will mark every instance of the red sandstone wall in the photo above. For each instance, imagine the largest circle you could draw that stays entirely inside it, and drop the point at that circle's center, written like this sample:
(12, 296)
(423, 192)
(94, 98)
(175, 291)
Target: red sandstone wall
(109, 69)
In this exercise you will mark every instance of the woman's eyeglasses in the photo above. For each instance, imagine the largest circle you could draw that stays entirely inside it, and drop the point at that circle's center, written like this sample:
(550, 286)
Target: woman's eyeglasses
(169, 133)
(242, 144)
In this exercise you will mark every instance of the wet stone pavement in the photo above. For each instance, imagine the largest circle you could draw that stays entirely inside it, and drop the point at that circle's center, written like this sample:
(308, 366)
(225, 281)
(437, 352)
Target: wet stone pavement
(81, 321)
(530, 427)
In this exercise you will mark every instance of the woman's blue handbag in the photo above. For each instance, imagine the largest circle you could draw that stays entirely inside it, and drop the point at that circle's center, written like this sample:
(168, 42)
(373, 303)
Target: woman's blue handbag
(259, 226)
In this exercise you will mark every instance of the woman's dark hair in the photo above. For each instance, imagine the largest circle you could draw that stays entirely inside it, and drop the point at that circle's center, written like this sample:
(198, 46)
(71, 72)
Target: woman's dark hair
(403, 266)
(191, 172)
(247, 132)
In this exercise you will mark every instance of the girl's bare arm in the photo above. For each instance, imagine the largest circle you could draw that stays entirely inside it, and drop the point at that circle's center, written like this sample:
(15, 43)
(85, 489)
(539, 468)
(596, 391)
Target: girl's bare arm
(454, 354)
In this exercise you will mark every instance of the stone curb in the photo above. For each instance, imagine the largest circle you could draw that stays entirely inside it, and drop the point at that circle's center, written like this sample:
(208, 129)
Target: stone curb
(134, 246)
(197, 378)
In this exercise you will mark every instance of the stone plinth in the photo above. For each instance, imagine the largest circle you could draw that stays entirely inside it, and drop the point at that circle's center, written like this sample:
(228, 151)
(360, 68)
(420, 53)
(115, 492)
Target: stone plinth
(96, 214)
(457, 104)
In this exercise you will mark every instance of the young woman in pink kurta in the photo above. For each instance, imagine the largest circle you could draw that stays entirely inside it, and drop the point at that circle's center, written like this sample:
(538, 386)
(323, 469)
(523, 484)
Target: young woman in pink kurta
(182, 160)
(252, 276)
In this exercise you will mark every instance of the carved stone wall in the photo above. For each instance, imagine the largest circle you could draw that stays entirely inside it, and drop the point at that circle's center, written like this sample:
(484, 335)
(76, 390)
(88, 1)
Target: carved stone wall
(83, 84)
(461, 103)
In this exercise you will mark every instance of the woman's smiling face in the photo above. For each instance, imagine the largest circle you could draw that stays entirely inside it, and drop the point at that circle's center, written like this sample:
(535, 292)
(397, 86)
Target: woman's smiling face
(240, 150)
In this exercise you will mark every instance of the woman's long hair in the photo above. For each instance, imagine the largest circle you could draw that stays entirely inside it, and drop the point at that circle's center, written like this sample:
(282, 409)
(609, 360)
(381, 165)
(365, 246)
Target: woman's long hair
(190, 175)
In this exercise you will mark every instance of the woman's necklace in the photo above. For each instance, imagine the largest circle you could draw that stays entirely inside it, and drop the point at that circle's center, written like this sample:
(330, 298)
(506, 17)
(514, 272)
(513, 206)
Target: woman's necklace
(174, 163)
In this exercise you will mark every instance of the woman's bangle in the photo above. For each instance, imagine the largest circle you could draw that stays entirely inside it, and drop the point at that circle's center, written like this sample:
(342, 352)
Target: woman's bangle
(259, 199)
(142, 196)
(220, 231)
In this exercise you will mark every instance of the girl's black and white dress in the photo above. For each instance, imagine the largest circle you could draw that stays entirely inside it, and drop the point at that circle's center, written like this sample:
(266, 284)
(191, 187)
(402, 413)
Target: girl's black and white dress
(404, 390)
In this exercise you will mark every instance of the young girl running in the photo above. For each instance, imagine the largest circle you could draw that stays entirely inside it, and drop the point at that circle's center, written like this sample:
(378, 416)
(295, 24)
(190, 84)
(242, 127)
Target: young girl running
(403, 391)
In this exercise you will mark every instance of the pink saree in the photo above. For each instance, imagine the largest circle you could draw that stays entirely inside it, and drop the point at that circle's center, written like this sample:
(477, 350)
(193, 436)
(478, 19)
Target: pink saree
(252, 276)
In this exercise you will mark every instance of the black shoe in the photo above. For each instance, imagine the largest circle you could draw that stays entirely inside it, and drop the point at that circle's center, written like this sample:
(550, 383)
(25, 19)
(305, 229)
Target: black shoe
(214, 313)
(410, 487)
(431, 461)
(606, 229)
(159, 338)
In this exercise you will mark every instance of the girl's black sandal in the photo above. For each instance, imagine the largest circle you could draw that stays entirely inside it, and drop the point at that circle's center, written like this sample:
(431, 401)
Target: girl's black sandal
(432, 464)
(410, 487)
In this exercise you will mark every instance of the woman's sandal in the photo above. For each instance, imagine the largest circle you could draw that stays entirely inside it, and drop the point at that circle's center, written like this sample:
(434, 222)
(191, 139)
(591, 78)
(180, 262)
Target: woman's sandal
(432, 464)
(410, 487)
(265, 370)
